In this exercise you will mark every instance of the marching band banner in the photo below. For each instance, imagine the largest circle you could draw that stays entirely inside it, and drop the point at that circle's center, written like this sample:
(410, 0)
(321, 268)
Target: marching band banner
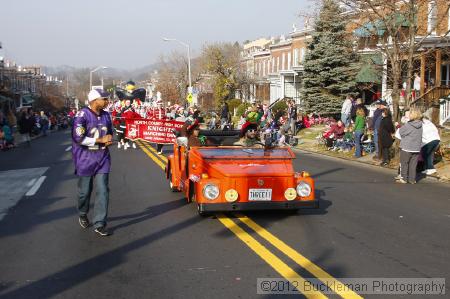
(156, 131)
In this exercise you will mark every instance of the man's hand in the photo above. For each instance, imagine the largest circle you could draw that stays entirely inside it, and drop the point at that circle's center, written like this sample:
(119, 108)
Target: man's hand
(107, 140)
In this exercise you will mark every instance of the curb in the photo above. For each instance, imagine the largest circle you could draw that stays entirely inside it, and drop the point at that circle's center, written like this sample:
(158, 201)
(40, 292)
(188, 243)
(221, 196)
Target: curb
(440, 179)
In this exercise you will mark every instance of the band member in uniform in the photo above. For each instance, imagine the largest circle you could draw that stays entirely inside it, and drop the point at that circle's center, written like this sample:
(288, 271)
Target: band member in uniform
(128, 112)
(117, 116)
(159, 113)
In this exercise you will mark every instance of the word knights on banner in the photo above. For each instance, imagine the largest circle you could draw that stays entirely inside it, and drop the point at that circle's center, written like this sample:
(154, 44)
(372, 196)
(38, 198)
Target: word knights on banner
(155, 131)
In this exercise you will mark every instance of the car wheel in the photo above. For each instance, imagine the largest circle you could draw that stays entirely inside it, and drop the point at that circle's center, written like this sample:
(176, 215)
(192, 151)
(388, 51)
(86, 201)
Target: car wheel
(201, 212)
(191, 195)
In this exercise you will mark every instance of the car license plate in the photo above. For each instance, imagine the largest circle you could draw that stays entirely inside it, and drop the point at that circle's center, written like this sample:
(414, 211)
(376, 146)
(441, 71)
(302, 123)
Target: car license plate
(260, 194)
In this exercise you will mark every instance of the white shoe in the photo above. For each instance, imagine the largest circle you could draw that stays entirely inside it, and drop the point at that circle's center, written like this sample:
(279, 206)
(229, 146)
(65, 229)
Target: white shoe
(159, 153)
(134, 145)
(118, 145)
(126, 146)
(430, 171)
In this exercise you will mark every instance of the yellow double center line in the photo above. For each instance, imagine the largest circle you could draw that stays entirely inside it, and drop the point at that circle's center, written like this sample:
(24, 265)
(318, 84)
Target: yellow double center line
(271, 259)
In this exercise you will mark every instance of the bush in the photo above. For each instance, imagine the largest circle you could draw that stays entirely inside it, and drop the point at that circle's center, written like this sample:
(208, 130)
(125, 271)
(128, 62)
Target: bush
(242, 108)
(234, 103)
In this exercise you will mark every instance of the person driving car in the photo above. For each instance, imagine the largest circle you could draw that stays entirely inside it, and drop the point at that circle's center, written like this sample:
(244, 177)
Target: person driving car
(249, 136)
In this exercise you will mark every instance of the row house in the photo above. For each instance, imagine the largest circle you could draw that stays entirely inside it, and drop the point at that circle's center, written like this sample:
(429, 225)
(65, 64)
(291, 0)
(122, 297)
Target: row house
(274, 67)
(433, 49)
(20, 86)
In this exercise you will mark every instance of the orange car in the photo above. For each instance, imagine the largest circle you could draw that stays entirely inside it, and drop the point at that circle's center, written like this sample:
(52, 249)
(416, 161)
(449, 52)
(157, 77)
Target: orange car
(233, 178)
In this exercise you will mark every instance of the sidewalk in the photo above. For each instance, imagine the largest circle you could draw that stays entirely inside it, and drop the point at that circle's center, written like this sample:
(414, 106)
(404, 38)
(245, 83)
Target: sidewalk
(308, 142)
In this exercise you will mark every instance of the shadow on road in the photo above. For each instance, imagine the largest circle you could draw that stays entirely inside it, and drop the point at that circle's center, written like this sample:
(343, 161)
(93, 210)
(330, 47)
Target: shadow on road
(147, 214)
(10, 225)
(84, 271)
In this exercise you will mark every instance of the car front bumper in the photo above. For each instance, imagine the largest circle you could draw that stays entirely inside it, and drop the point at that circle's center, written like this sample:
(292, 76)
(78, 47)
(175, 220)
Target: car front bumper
(257, 205)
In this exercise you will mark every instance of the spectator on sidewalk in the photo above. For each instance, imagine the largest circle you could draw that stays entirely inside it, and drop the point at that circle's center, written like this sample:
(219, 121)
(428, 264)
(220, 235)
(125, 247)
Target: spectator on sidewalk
(12, 120)
(430, 143)
(44, 122)
(360, 124)
(335, 133)
(386, 130)
(360, 104)
(346, 110)
(410, 136)
(224, 115)
(292, 116)
(376, 121)
(26, 124)
(7, 139)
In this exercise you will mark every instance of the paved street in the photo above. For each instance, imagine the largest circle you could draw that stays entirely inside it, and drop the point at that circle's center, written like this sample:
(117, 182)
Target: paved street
(367, 226)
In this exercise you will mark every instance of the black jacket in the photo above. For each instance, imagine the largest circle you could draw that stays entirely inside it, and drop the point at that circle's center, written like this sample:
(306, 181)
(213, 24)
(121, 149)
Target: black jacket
(25, 124)
(385, 132)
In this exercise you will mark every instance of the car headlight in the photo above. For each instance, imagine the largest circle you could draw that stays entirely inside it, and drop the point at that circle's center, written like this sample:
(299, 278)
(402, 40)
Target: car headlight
(303, 189)
(290, 194)
(231, 195)
(211, 191)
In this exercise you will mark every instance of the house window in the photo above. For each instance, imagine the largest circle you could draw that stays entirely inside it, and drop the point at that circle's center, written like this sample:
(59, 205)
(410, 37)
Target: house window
(264, 68)
(283, 61)
(278, 63)
(273, 64)
(289, 61)
(302, 55)
(296, 58)
(432, 16)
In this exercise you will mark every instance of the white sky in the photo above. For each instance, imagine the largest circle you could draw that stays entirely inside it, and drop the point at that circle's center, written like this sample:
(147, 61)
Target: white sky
(127, 34)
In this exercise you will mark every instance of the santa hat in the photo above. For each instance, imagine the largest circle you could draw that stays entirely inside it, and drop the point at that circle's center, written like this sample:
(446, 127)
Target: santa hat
(193, 126)
(248, 126)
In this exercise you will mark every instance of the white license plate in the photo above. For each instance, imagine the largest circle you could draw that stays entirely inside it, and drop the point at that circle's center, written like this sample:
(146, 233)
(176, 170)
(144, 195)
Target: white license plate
(260, 194)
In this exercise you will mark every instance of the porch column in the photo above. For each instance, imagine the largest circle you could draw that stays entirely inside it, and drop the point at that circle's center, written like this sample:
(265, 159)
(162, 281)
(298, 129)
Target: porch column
(438, 67)
(384, 77)
(422, 74)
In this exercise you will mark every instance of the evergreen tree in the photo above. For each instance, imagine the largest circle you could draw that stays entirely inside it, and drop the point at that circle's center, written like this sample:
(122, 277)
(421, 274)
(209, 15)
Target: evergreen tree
(330, 64)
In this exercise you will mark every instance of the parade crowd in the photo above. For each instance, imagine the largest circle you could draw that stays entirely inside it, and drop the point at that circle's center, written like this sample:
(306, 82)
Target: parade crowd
(28, 123)
(366, 132)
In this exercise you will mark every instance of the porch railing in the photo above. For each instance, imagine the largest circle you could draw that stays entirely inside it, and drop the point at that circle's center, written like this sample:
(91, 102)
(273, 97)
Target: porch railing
(444, 110)
(431, 97)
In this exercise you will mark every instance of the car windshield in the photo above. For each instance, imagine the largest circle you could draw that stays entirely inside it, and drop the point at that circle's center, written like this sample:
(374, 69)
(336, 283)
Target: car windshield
(218, 153)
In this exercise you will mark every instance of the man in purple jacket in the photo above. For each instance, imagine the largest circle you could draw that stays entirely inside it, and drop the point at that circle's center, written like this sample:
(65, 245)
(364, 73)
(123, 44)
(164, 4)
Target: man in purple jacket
(91, 136)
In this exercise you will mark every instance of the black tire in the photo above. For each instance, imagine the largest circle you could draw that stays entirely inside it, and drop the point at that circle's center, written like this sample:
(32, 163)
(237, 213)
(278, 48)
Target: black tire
(191, 195)
(202, 213)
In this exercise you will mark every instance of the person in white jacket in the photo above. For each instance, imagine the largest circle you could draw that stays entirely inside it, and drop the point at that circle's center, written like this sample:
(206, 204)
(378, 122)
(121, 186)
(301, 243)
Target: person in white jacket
(346, 110)
(430, 143)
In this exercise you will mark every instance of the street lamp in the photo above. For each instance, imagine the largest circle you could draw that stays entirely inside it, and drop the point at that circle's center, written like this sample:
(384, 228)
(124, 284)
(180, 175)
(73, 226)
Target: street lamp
(93, 71)
(188, 56)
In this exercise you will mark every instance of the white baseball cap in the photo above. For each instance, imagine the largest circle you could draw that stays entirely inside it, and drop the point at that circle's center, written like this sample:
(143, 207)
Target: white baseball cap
(97, 94)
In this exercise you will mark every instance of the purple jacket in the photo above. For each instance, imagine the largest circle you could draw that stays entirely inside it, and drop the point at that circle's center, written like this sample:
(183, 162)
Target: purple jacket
(90, 159)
